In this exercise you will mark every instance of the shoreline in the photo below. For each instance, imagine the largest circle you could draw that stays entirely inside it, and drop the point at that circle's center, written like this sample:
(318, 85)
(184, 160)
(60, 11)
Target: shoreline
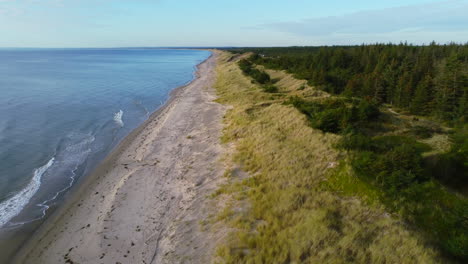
(86, 167)
(108, 164)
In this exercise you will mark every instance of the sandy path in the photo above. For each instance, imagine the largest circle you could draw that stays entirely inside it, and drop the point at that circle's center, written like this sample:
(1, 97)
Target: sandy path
(145, 202)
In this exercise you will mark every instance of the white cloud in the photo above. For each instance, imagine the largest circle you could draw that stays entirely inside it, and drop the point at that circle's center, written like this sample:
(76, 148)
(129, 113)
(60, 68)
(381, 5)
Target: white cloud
(416, 22)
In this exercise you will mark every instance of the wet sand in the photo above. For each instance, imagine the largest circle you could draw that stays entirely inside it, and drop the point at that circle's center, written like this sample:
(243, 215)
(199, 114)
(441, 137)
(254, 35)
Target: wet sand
(145, 201)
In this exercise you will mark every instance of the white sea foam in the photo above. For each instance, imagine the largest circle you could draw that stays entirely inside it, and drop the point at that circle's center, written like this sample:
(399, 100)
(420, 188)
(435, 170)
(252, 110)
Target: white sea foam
(65, 162)
(118, 118)
(13, 206)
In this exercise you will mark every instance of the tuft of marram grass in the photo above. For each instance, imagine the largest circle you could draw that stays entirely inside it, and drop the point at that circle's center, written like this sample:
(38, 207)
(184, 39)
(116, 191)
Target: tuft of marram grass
(286, 212)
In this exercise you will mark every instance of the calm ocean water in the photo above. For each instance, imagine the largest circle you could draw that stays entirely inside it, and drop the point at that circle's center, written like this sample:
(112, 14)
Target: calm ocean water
(63, 110)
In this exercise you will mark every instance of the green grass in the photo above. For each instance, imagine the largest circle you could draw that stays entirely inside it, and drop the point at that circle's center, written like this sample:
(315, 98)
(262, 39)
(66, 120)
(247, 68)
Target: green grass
(342, 181)
(294, 208)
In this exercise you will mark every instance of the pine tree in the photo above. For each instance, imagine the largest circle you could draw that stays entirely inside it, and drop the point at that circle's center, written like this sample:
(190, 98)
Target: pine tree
(450, 82)
(420, 104)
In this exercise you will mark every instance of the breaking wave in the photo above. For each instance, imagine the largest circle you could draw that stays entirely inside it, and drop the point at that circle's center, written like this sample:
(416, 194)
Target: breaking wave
(66, 163)
(13, 206)
(118, 118)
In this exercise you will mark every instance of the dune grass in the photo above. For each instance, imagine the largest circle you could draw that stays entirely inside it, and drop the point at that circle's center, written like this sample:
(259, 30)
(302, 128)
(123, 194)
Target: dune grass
(289, 209)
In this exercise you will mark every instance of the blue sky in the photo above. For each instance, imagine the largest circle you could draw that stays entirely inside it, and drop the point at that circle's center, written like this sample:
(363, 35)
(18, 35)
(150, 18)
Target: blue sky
(124, 23)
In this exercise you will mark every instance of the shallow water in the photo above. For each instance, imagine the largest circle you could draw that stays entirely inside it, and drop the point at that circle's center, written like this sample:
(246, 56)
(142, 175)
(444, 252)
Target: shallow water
(63, 110)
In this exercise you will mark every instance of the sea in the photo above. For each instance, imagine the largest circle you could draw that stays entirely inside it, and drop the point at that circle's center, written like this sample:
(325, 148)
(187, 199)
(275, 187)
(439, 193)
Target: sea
(63, 110)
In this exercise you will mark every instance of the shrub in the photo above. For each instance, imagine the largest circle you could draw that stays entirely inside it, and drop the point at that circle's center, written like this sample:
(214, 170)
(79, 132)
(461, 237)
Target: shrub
(367, 111)
(306, 107)
(334, 115)
(400, 167)
(259, 76)
(329, 120)
(394, 164)
(354, 141)
(452, 167)
(269, 88)
(245, 66)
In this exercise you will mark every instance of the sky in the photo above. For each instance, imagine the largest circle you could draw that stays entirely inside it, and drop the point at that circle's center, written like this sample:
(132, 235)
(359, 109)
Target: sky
(178, 23)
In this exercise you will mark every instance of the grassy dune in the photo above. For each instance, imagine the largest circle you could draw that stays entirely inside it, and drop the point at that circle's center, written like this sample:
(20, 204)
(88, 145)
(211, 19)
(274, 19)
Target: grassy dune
(288, 209)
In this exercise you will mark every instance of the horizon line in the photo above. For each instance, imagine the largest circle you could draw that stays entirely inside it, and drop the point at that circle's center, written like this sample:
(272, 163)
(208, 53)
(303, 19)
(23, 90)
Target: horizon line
(254, 46)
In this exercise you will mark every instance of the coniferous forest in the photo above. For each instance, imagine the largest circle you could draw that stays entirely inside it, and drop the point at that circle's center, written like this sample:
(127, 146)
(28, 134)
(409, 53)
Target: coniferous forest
(427, 80)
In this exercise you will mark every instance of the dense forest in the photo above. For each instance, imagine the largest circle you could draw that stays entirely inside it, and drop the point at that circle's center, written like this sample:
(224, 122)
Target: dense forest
(371, 82)
(427, 80)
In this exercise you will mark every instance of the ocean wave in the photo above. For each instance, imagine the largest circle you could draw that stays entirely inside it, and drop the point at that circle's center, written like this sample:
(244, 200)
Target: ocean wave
(13, 206)
(66, 162)
(118, 118)
(73, 156)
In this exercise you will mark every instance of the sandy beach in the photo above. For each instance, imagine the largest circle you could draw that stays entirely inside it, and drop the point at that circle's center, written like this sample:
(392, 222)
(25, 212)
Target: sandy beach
(144, 203)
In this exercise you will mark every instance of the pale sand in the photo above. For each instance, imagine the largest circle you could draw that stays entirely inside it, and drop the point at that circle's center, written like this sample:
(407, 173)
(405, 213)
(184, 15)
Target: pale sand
(144, 203)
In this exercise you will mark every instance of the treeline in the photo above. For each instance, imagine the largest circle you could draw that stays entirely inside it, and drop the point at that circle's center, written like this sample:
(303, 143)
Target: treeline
(426, 80)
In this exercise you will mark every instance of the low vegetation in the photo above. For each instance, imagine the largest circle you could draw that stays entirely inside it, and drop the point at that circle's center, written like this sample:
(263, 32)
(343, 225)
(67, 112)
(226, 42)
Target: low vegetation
(258, 76)
(336, 115)
(300, 203)
(395, 166)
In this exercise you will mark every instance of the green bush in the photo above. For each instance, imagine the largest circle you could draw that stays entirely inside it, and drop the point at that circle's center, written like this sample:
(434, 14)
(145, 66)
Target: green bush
(394, 164)
(439, 213)
(306, 107)
(451, 168)
(334, 115)
(367, 111)
(354, 141)
(329, 120)
(459, 151)
(260, 76)
(247, 68)
(400, 167)
(269, 88)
